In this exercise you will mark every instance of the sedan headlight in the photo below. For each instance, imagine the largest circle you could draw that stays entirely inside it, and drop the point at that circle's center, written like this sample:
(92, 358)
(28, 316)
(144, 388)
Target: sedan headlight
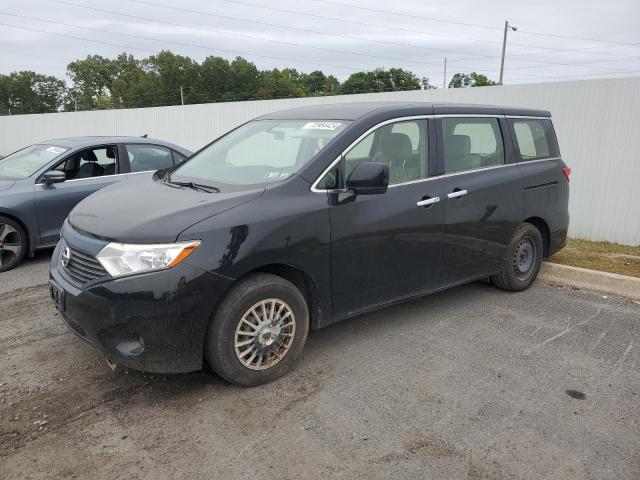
(121, 259)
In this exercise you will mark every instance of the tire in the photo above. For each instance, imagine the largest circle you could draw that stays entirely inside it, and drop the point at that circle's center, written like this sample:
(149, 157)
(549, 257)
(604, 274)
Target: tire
(13, 244)
(235, 329)
(523, 260)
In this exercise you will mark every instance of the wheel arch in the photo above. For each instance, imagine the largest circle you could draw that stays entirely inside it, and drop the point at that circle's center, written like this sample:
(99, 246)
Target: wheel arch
(302, 280)
(543, 227)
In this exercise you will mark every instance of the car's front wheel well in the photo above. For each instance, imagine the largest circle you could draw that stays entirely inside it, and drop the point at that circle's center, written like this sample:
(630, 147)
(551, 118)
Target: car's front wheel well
(299, 278)
(543, 228)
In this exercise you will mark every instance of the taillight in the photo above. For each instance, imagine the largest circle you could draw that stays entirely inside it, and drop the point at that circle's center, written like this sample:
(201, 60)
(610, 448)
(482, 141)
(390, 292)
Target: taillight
(567, 172)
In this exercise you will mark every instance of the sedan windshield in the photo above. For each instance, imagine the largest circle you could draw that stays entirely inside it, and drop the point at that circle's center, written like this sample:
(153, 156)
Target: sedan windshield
(259, 152)
(26, 162)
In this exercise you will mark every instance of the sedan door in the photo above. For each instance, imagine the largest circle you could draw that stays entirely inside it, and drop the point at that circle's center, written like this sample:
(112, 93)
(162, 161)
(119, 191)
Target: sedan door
(481, 192)
(87, 171)
(386, 247)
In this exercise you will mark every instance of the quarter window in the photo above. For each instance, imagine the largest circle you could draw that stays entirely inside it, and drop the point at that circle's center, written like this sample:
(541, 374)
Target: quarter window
(471, 143)
(535, 138)
(143, 158)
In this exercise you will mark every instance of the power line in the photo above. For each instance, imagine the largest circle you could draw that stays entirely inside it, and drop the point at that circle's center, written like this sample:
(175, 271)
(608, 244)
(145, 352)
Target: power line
(200, 12)
(77, 38)
(233, 34)
(401, 14)
(376, 25)
(466, 24)
(235, 52)
(200, 46)
(431, 75)
(288, 27)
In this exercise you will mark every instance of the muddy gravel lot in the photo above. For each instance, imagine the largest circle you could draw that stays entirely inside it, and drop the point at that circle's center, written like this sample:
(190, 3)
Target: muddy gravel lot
(469, 383)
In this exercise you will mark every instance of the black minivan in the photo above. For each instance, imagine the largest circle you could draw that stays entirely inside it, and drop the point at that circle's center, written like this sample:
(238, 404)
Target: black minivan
(304, 217)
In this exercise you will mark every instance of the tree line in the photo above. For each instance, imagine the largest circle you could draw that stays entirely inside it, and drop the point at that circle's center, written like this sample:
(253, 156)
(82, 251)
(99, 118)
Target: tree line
(97, 83)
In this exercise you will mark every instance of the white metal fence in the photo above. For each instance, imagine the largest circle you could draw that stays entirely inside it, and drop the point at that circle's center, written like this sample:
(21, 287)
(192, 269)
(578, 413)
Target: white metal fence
(597, 122)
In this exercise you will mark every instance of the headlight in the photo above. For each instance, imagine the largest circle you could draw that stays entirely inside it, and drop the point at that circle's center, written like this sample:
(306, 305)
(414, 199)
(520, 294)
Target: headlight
(121, 259)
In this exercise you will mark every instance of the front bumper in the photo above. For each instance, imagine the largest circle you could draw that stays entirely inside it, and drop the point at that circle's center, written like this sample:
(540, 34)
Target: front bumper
(155, 322)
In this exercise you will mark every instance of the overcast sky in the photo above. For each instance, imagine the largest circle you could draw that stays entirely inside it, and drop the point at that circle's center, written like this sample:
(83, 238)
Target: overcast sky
(593, 38)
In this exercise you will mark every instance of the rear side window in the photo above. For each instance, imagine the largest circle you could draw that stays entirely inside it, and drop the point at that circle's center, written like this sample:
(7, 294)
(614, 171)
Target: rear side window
(143, 158)
(471, 143)
(535, 138)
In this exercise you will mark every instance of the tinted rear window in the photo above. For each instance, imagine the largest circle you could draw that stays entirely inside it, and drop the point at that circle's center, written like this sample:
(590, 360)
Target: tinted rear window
(535, 138)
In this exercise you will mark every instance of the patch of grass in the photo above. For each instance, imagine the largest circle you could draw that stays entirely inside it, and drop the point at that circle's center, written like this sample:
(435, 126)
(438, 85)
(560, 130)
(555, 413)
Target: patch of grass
(602, 256)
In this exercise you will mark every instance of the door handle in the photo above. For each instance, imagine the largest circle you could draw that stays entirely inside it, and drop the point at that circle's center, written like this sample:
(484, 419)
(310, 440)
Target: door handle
(428, 201)
(457, 193)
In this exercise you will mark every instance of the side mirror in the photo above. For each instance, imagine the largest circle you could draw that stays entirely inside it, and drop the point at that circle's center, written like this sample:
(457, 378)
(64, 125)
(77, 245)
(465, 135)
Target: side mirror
(54, 176)
(369, 178)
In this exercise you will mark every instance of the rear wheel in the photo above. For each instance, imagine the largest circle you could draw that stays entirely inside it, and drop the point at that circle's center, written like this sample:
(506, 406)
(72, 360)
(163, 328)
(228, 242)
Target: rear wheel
(13, 244)
(522, 261)
(258, 331)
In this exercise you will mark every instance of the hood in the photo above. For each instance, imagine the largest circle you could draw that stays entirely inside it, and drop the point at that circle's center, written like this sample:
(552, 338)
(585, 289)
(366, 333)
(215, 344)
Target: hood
(6, 184)
(143, 210)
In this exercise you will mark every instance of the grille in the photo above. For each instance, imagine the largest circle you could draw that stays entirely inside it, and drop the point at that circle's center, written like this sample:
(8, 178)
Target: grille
(83, 267)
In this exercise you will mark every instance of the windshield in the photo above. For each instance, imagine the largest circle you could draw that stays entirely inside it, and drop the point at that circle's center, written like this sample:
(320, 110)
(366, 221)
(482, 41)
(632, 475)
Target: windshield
(259, 152)
(26, 162)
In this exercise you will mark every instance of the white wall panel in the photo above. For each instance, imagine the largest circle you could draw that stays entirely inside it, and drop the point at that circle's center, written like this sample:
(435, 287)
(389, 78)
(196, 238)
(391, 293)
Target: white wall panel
(597, 122)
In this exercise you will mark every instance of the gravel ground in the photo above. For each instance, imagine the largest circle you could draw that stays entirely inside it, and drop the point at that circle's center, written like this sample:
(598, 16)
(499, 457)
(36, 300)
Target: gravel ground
(470, 383)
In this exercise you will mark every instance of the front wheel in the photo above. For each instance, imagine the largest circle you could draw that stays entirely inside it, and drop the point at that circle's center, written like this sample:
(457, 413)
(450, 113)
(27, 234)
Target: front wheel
(13, 244)
(523, 260)
(258, 331)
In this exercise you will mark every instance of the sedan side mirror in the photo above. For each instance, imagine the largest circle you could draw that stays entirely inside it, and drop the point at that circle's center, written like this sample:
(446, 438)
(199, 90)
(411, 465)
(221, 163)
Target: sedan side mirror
(369, 178)
(54, 176)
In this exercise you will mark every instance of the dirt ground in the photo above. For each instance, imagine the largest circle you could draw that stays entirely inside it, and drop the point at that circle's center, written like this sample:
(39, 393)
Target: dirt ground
(470, 383)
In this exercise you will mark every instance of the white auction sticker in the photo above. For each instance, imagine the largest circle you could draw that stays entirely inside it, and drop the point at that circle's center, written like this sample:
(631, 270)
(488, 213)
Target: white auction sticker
(322, 125)
(57, 150)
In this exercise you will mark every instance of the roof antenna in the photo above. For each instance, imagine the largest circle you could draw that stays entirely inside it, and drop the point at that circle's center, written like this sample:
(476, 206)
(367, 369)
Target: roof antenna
(146, 135)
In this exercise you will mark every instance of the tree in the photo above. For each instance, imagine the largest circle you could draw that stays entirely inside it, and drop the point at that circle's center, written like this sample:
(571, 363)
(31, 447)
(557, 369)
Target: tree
(284, 83)
(243, 80)
(380, 80)
(92, 80)
(215, 73)
(426, 84)
(132, 85)
(97, 82)
(473, 79)
(170, 72)
(30, 92)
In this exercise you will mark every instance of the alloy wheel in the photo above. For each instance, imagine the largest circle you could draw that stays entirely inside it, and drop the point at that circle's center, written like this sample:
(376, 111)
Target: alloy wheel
(264, 334)
(10, 244)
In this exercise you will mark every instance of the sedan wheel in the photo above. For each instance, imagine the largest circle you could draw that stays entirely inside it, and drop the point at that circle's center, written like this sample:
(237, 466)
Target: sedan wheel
(12, 244)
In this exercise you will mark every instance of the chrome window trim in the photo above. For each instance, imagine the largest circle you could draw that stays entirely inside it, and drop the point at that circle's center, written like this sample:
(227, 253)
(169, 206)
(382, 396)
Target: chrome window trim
(418, 117)
(475, 170)
(468, 115)
(527, 117)
(102, 176)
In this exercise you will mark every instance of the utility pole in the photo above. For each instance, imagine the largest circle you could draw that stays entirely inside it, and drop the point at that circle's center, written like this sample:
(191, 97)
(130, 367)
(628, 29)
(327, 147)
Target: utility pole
(181, 96)
(75, 101)
(504, 47)
(444, 77)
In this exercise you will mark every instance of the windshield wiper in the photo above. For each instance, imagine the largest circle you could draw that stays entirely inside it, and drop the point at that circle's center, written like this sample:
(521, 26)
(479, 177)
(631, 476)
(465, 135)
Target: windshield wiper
(194, 186)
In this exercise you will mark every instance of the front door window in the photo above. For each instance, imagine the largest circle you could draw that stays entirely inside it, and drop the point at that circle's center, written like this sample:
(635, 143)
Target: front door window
(89, 163)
